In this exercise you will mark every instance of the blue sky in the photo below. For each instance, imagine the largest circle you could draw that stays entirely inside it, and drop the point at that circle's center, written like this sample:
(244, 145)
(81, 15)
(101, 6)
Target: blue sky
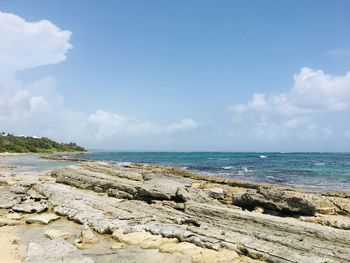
(187, 75)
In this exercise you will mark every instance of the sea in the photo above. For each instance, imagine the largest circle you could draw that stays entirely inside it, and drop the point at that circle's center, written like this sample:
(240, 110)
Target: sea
(319, 171)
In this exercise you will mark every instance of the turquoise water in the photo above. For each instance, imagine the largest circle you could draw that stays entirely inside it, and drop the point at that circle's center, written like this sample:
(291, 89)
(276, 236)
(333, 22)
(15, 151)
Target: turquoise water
(327, 171)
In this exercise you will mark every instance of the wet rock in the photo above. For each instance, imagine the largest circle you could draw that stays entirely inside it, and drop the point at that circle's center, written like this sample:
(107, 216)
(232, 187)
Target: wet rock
(42, 219)
(57, 233)
(30, 206)
(57, 250)
(278, 200)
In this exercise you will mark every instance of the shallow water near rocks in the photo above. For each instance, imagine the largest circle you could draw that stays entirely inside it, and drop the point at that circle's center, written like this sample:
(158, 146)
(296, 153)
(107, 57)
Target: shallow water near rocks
(322, 171)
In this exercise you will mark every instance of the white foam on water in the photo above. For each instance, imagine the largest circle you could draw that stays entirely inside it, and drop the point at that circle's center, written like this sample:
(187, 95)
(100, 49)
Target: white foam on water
(320, 164)
(246, 170)
(227, 167)
(263, 156)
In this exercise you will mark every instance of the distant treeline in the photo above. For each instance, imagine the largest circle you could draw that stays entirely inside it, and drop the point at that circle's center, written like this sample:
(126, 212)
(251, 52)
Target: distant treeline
(21, 144)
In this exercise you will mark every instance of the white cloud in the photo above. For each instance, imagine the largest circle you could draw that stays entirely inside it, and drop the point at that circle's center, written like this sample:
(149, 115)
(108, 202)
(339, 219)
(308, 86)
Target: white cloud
(294, 112)
(37, 108)
(106, 124)
(30, 44)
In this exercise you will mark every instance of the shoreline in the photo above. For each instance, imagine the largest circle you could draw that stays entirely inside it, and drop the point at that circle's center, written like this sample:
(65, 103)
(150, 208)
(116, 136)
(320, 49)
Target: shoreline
(106, 211)
(204, 176)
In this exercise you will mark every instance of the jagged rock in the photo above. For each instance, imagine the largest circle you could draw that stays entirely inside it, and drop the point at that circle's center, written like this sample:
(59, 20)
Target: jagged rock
(155, 186)
(30, 206)
(9, 199)
(57, 233)
(265, 235)
(19, 190)
(35, 195)
(208, 225)
(341, 222)
(217, 193)
(52, 251)
(42, 219)
(272, 199)
(87, 236)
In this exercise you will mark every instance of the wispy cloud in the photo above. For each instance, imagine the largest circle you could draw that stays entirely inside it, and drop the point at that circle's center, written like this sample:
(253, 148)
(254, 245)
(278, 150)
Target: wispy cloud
(342, 52)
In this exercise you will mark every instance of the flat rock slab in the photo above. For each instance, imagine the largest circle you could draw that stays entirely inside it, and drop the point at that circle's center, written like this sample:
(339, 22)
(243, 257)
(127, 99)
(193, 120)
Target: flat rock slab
(52, 251)
(42, 219)
(8, 199)
(57, 233)
(30, 207)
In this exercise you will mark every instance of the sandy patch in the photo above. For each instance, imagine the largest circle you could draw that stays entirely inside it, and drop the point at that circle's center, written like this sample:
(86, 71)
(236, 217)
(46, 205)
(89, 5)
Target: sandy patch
(9, 245)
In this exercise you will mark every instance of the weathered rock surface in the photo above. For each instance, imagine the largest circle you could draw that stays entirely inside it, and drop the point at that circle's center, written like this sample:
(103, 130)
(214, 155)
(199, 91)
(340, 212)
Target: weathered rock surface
(30, 206)
(217, 193)
(292, 202)
(152, 186)
(87, 235)
(182, 215)
(53, 251)
(341, 222)
(57, 233)
(213, 227)
(8, 198)
(276, 200)
(42, 219)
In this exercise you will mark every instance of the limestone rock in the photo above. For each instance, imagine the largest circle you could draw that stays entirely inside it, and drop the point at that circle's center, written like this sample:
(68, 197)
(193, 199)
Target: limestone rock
(42, 219)
(142, 238)
(9, 199)
(30, 206)
(87, 235)
(217, 193)
(199, 254)
(51, 251)
(341, 222)
(277, 200)
(57, 233)
(8, 222)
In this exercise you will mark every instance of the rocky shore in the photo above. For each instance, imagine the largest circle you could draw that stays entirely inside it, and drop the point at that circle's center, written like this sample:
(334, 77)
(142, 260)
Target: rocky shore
(103, 212)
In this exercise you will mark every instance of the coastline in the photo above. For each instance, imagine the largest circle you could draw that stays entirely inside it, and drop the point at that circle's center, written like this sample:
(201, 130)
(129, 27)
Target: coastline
(197, 175)
(170, 214)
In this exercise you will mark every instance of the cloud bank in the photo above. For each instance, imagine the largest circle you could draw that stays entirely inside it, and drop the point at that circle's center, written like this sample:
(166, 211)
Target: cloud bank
(38, 108)
(304, 112)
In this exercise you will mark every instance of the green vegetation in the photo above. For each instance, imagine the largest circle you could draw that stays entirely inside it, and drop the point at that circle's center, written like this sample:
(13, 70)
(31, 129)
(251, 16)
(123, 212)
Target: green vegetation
(20, 144)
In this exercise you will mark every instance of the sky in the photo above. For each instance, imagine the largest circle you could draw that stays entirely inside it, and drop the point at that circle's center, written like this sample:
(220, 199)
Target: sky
(181, 75)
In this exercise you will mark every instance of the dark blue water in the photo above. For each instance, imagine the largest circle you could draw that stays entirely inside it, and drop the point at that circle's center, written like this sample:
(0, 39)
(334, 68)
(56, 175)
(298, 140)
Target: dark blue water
(325, 171)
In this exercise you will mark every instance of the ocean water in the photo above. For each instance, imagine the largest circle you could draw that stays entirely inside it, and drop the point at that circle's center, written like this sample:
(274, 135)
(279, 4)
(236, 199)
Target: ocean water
(32, 162)
(321, 171)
